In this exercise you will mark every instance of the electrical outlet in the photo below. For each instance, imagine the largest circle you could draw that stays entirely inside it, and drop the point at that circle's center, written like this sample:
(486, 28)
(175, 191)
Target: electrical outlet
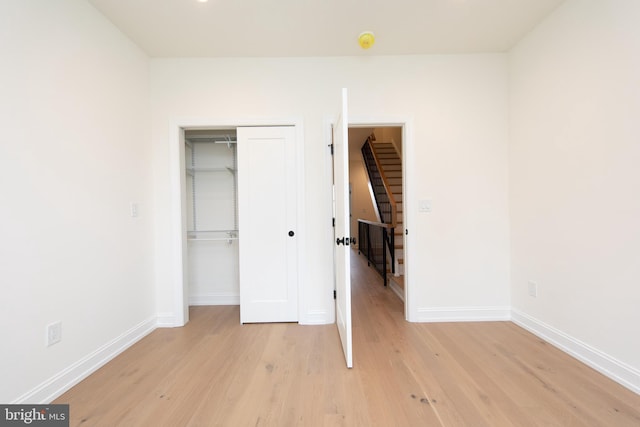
(533, 288)
(54, 333)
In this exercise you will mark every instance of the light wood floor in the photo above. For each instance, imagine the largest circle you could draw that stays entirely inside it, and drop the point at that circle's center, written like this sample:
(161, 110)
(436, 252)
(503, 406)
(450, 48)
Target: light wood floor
(215, 372)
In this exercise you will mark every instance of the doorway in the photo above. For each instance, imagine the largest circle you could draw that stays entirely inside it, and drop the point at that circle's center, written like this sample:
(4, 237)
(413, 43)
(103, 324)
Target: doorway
(376, 166)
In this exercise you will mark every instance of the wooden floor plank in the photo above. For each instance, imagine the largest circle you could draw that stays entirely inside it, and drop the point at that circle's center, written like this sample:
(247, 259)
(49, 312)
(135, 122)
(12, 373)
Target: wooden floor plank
(216, 372)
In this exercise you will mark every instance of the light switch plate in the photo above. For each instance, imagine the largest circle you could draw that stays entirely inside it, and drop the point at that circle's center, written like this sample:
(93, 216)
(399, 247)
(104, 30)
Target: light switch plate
(54, 333)
(424, 206)
(532, 288)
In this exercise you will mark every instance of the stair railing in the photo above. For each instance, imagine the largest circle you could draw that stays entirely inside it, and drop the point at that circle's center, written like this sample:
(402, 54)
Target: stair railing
(372, 238)
(385, 202)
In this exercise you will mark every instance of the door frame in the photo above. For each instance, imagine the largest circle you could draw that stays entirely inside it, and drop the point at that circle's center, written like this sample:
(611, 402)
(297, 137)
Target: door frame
(178, 220)
(406, 123)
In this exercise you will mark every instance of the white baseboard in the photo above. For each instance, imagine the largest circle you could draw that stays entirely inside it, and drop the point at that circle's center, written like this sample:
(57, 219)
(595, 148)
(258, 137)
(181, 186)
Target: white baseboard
(67, 378)
(601, 362)
(166, 320)
(215, 299)
(396, 289)
(315, 317)
(463, 314)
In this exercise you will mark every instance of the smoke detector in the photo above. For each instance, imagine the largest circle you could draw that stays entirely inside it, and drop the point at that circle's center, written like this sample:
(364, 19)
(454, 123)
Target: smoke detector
(366, 39)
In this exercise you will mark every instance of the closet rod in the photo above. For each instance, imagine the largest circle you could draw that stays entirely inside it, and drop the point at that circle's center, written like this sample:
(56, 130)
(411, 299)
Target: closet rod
(211, 239)
(213, 231)
(218, 139)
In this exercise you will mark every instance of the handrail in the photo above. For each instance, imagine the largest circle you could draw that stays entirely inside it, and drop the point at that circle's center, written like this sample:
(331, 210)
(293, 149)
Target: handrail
(376, 187)
(377, 224)
(387, 186)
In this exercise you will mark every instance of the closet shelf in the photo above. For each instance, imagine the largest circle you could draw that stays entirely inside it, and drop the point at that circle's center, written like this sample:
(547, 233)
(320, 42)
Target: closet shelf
(192, 170)
(212, 235)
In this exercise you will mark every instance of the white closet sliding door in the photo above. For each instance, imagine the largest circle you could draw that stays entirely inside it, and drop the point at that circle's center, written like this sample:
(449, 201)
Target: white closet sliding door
(267, 224)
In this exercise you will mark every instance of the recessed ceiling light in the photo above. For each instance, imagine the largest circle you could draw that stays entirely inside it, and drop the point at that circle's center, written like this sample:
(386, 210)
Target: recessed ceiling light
(202, 1)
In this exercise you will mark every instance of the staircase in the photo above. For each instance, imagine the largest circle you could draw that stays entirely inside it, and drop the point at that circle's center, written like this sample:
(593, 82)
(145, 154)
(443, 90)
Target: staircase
(391, 169)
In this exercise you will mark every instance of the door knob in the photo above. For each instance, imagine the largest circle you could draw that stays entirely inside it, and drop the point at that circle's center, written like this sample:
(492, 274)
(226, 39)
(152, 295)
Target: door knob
(291, 233)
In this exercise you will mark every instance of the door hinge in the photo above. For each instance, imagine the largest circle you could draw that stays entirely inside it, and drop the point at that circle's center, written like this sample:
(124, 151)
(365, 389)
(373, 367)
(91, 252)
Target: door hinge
(335, 294)
(331, 146)
(333, 222)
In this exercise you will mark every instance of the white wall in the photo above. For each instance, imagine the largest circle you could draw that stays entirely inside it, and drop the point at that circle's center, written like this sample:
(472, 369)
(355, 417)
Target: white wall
(574, 174)
(74, 153)
(457, 109)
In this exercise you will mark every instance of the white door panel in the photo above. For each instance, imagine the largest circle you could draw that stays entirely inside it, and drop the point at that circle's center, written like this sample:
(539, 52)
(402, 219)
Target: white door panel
(267, 224)
(341, 230)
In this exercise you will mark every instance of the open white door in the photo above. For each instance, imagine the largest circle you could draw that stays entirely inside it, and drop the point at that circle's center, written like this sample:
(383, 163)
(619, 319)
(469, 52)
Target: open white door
(342, 237)
(267, 206)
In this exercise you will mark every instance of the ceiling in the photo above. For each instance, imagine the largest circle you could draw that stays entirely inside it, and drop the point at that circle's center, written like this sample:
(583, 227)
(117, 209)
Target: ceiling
(275, 28)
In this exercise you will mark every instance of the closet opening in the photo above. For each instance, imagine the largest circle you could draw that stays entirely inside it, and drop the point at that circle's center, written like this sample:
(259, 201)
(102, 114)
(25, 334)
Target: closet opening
(222, 178)
(210, 189)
